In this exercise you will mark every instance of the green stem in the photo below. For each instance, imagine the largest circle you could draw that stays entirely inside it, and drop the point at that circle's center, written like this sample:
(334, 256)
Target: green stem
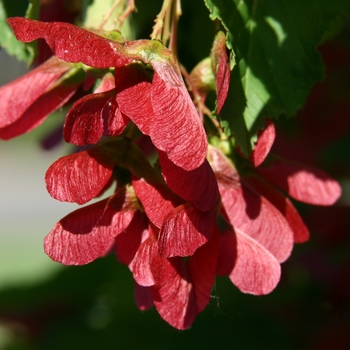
(177, 12)
(130, 8)
(121, 15)
(159, 21)
(201, 107)
(109, 13)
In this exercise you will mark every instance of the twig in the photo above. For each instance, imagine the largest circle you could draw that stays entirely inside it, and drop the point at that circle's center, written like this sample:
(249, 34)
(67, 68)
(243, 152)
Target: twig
(177, 12)
(159, 21)
(109, 13)
(198, 101)
(130, 8)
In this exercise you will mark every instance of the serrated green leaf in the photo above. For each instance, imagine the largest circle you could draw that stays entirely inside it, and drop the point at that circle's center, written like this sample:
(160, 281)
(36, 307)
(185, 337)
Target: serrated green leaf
(275, 42)
(30, 9)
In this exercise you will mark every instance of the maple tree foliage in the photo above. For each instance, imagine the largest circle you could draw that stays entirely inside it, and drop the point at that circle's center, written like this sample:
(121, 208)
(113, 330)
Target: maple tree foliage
(182, 210)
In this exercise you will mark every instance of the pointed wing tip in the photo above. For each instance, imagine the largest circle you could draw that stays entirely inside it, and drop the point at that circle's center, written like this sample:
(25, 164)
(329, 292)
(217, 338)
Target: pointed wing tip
(19, 25)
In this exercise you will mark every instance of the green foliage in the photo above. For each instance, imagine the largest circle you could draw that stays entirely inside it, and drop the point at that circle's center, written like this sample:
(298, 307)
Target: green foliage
(275, 43)
(30, 9)
(95, 13)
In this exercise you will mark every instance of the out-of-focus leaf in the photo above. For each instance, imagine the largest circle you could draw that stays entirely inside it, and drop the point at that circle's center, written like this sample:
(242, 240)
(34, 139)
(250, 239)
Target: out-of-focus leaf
(275, 43)
(95, 14)
(33, 9)
(32, 86)
(47, 88)
(22, 51)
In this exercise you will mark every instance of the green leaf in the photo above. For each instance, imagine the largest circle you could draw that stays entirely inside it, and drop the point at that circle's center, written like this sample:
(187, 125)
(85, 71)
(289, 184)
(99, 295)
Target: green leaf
(33, 9)
(95, 12)
(275, 43)
(30, 9)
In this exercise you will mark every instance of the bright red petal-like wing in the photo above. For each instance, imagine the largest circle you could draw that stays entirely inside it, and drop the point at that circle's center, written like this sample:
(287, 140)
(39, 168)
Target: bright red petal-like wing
(141, 264)
(256, 270)
(173, 294)
(116, 122)
(283, 204)
(71, 43)
(257, 217)
(182, 291)
(156, 198)
(184, 230)
(84, 122)
(176, 127)
(107, 83)
(85, 234)
(20, 94)
(128, 242)
(225, 173)
(37, 113)
(266, 138)
(221, 68)
(302, 182)
(165, 112)
(77, 178)
(133, 87)
(197, 186)
(202, 266)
